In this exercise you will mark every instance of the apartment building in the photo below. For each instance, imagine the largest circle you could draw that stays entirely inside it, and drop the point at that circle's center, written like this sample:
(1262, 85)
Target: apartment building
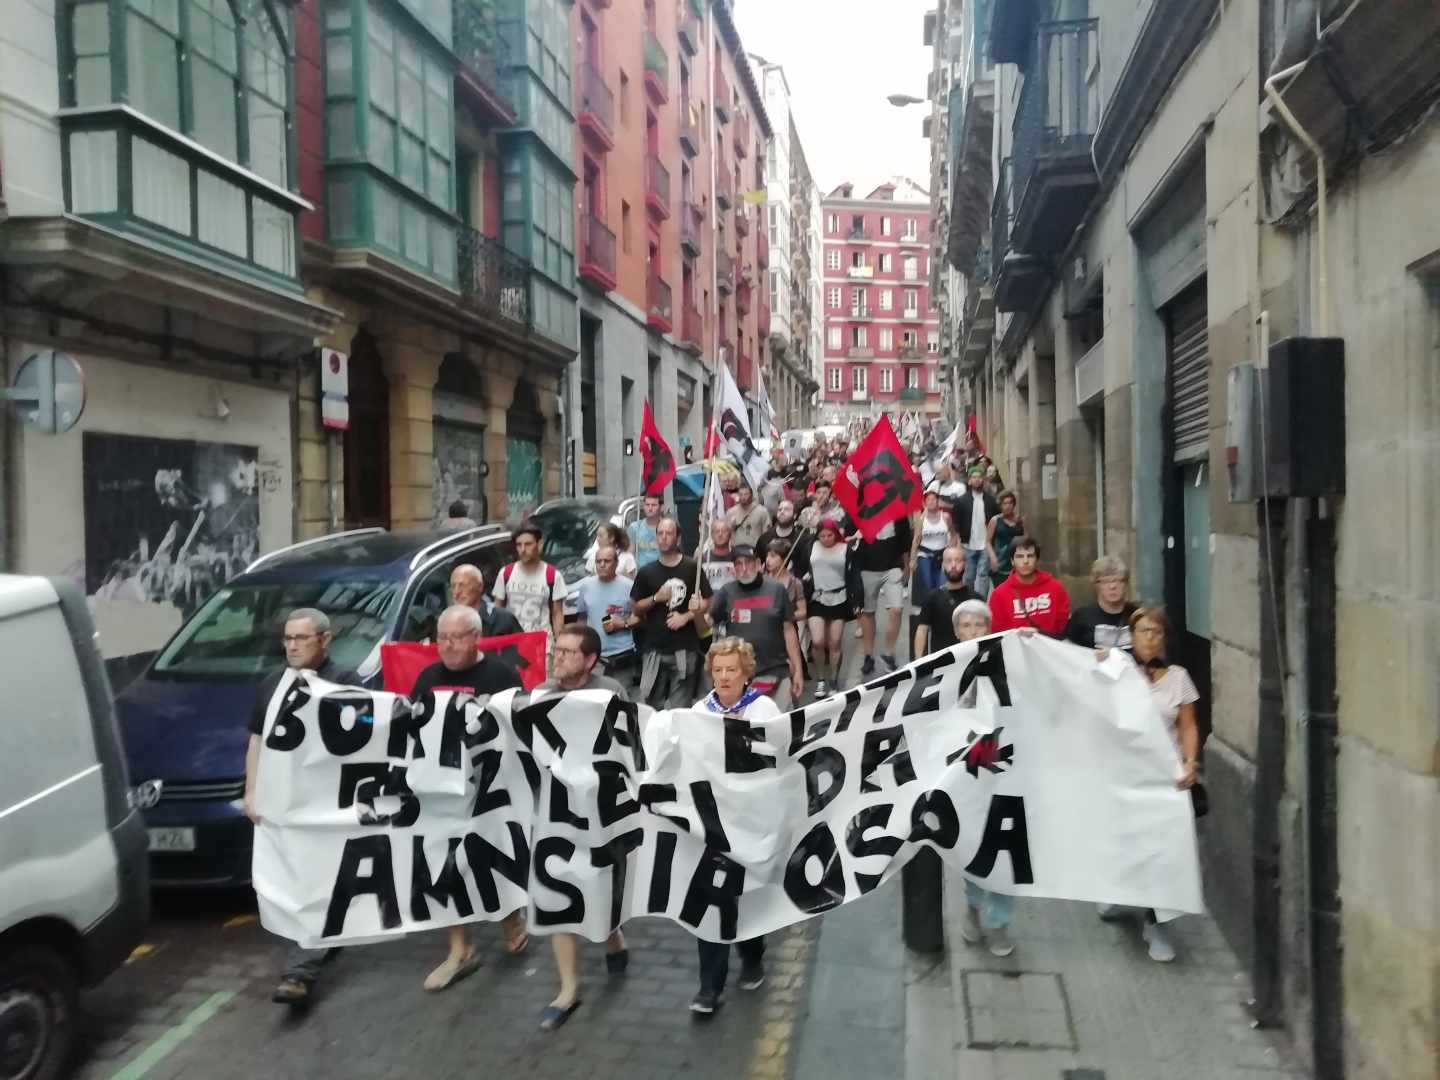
(1140, 207)
(882, 332)
(789, 380)
(673, 252)
(197, 196)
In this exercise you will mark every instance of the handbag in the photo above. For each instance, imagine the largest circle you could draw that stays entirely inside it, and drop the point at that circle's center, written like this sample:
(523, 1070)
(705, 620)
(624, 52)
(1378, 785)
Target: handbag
(1199, 800)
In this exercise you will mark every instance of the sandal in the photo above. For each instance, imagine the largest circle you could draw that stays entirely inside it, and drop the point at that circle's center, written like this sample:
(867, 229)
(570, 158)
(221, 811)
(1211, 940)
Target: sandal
(516, 937)
(554, 1015)
(452, 971)
(616, 962)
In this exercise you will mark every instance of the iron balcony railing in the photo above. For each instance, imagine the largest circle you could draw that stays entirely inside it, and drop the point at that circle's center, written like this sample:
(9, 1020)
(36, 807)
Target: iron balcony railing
(724, 271)
(1000, 221)
(596, 98)
(692, 326)
(1059, 106)
(657, 181)
(981, 274)
(657, 60)
(659, 296)
(598, 245)
(493, 281)
(481, 44)
(692, 222)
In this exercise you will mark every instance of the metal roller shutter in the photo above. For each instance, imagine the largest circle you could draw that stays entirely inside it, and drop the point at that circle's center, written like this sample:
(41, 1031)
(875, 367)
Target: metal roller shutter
(1188, 357)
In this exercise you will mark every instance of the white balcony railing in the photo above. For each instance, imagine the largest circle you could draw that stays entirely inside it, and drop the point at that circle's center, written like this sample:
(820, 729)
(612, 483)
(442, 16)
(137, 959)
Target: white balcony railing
(1090, 374)
(861, 272)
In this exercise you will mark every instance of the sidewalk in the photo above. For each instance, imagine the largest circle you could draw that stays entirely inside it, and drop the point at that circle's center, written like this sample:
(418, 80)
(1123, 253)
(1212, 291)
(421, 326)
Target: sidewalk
(1077, 1000)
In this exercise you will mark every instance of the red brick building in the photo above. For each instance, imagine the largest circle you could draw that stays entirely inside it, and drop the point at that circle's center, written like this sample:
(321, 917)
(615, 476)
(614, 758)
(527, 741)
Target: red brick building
(882, 333)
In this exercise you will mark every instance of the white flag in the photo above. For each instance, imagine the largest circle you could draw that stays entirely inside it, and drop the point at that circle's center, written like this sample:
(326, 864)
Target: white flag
(929, 468)
(767, 410)
(734, 428)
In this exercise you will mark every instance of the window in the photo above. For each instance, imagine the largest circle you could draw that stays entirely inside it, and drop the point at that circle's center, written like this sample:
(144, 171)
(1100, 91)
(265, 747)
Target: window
(887, 380)
(832, 223)
(912, 272)
(932, 341)
(833, 299)
(885, 226)
(912, 300)
(625, 226)
(934, 378)
(887, 339)
(834, 339)
(410, 120)
(909, 233)
(624, 99)
(908, 339)
(833, 375)
(885, 299)
(859, 337)
(832, 259)
(857, 380)
(857, 301)
(886, 262)
(912, 378)
(194, 66)
(857, 260)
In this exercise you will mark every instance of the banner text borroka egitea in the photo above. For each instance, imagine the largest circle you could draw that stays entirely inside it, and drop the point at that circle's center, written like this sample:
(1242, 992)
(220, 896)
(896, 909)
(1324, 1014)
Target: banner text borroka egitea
(383, 817)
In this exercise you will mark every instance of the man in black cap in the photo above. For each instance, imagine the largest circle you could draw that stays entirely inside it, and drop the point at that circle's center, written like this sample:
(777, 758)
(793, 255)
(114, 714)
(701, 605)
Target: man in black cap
(758, 609)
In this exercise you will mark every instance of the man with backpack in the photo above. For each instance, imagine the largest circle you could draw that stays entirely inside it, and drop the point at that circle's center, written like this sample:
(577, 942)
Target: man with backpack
(530, 588)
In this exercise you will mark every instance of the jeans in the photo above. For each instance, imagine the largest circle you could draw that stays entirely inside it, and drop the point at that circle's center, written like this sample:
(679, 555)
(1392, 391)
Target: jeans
(715, 961)
(303, 965)
(995, 909)
(928, 577)
(977, 571)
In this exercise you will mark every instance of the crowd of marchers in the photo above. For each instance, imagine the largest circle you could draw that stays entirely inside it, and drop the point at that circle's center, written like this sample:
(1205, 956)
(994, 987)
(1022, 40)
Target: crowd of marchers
(753, 623)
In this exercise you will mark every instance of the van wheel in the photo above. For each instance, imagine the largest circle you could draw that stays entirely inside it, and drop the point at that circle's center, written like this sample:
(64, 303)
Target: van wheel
(37, 1014)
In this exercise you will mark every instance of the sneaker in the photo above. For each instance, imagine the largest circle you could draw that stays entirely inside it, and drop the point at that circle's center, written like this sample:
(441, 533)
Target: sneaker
(1161, 951)
(821, 690)
(868, 667)
(291, 992)
(970, 931)
(752, 976)
(890, 662)
(1000, 943)
(705, 1003)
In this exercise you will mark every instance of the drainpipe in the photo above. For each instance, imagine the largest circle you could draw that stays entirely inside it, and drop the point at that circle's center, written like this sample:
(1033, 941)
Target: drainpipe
(1315, 554)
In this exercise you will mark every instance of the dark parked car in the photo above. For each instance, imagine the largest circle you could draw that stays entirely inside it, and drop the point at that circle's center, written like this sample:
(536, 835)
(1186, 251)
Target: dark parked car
(184, 719)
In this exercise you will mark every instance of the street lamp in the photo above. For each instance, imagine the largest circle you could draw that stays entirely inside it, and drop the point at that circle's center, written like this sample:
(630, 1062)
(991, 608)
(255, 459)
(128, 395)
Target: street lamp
(902, 100)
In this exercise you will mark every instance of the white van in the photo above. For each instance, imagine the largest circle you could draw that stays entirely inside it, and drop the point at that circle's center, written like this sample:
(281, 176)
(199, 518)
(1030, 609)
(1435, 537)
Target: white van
(74, 885)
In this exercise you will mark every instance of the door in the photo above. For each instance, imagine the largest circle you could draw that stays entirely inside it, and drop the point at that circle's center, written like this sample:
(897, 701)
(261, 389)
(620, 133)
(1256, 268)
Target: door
(524, 468)
(1187, 490)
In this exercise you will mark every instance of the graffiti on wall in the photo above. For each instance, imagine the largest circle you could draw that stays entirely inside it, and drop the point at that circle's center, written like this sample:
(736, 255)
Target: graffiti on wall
(167, 521)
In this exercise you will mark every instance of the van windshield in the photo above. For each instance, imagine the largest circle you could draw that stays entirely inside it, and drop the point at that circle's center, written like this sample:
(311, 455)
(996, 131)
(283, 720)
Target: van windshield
(237, 633)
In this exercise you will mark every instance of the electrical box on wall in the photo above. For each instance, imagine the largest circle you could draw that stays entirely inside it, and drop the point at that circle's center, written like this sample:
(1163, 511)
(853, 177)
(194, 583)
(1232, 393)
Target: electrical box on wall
(1285, 424)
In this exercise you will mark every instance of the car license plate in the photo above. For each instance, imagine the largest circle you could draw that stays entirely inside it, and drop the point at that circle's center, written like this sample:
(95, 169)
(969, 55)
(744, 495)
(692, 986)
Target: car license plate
(172, 839)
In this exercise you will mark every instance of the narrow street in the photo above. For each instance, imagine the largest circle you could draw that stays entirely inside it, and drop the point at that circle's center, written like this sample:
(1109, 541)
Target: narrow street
(843, 1000)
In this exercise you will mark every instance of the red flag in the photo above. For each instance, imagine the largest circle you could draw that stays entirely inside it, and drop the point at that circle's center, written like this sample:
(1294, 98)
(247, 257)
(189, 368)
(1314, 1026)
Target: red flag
(712, 441)
(401, 662)
(878, 485)
(971, 429)
(659, 462)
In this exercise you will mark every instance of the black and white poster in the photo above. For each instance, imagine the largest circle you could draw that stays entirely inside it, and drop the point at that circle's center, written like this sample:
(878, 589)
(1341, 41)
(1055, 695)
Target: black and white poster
(167, 521)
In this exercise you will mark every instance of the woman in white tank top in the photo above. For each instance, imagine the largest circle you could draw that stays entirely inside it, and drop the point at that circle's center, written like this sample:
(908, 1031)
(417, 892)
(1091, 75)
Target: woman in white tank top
(934, 531)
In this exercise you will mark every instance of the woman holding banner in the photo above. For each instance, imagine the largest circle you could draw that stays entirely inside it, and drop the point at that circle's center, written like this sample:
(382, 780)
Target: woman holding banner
(1174, 694)
(730, 663)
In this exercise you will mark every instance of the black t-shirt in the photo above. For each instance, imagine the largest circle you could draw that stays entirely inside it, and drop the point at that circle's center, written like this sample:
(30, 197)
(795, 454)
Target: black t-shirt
(938, 613)
(329, 671)
(1096, 628)
(488, 676)
(887, 552)
(681, 578)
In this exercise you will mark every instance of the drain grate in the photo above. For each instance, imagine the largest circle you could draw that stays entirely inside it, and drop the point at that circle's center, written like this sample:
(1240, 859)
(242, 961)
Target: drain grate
(1018, 1010)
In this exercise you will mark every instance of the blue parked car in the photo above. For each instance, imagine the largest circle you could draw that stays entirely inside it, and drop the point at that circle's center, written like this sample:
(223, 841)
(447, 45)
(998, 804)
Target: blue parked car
(184, 719)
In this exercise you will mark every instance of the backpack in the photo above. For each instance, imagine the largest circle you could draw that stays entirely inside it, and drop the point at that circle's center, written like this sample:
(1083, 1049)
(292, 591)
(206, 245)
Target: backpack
(509, 568)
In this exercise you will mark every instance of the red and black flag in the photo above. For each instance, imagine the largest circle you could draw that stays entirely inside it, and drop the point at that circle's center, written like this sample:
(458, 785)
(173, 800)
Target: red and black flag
(659, 462)
(877, 484)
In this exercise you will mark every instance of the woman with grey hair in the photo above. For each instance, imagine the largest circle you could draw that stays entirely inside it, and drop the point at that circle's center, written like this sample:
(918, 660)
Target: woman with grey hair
(1104, 624)
(987, 914)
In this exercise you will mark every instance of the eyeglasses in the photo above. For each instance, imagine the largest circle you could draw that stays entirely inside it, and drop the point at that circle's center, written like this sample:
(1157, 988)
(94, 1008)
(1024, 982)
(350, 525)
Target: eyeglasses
(560, 650)
(296, 639)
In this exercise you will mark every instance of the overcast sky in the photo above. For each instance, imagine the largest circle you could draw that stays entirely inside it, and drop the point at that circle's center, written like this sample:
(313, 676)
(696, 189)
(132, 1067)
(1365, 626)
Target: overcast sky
(841, 59)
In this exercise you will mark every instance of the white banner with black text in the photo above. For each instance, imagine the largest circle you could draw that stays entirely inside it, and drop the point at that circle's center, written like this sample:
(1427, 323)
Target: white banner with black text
(382, 817)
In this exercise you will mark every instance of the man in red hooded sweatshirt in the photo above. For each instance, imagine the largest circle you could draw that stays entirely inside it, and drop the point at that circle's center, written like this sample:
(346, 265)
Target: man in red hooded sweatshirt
(1029, 597)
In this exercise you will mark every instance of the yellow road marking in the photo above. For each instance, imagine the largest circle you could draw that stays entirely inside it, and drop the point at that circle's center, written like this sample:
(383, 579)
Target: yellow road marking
(237, 921)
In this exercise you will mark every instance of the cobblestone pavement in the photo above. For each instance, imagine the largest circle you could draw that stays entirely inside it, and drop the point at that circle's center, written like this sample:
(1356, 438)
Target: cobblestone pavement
(197, 1005)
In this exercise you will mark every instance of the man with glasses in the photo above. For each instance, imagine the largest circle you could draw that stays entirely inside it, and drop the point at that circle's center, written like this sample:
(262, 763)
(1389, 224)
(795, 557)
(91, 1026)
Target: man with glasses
(307, 648)
(463, 669)
(603, 601)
